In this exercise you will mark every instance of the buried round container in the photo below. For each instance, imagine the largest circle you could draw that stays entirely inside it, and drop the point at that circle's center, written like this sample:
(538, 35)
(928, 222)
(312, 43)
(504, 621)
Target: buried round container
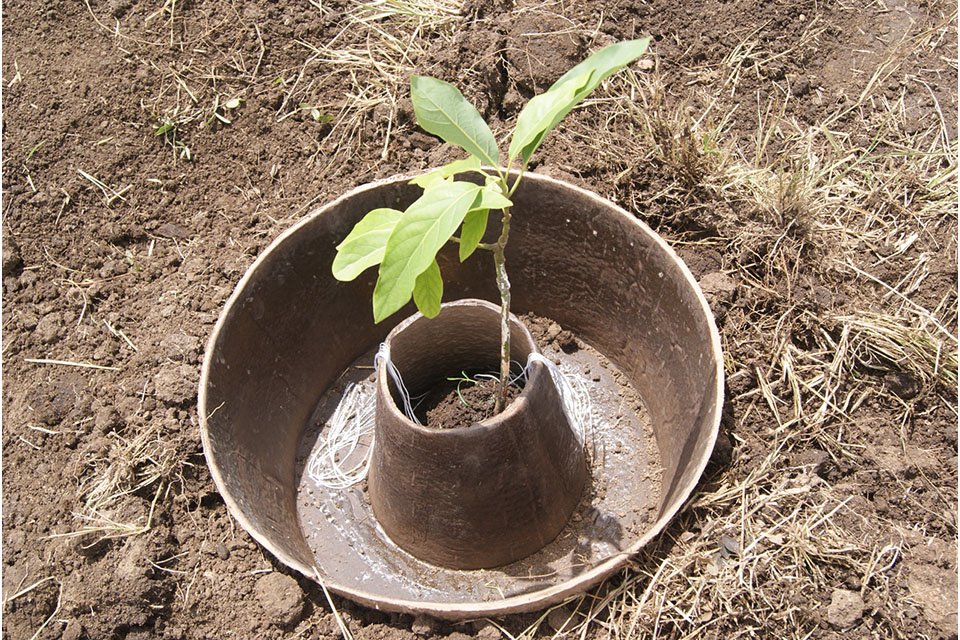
(481, 496)
(290, 331)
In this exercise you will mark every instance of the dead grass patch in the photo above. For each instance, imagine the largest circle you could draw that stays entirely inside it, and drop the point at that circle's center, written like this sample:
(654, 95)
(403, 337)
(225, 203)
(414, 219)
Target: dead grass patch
(762, 544)
(142, 464)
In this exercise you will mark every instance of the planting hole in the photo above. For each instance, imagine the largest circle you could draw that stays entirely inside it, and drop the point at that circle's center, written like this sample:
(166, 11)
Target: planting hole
(463, 398)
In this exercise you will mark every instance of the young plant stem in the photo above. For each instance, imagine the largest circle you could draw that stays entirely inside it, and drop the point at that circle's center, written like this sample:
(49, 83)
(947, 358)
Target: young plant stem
(385, 236)
(503, 284)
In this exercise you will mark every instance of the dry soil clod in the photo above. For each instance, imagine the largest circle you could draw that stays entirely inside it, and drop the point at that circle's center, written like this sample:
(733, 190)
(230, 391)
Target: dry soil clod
(281, 598)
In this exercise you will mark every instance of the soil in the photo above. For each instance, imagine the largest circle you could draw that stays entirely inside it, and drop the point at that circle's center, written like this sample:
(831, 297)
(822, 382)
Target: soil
(121, 246)
(456, 404)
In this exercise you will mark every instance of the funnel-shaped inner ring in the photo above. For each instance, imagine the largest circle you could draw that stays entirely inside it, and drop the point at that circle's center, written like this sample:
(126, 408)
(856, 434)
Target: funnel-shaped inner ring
(479, 496)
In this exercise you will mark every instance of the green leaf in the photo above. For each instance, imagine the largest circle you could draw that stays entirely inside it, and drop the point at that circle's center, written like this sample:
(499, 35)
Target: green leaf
(428, 290)
(429, 180)
(443, 111)
(470, 163)
(475, 222)
(545, 111)
(364, 246)
(542, 114)
(606, 62)
(422, 230)
(474, 226)
(491, 197)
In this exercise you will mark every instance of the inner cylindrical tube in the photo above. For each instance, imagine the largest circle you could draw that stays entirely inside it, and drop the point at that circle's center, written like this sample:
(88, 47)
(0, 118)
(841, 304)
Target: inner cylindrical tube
(479, 496)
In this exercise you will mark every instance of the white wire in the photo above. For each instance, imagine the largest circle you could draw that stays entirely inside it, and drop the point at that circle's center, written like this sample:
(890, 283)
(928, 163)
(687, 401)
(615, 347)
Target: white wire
(383, 355)
(351, 422)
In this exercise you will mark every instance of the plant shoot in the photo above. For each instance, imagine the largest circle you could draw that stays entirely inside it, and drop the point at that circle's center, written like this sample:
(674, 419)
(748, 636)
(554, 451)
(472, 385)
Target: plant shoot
(405, 243)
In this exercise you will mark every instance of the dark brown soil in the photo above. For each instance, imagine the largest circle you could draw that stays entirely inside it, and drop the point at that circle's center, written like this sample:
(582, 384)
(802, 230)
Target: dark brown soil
(119, 252)
(461, 402)
(464, 398)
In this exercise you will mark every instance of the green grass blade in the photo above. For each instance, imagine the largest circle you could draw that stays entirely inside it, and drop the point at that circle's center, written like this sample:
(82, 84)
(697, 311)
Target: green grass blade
(443, 111)
(365, 245)
(428, 291)
(422, 230)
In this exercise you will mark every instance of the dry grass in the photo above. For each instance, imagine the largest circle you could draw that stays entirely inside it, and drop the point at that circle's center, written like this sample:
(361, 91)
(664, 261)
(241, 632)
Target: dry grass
(833, 239)
(376, 48)
(200, 58)
(143, 464)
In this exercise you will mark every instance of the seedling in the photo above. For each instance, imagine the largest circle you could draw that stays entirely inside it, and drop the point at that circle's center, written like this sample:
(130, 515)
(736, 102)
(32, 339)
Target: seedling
(315, 113)
(229, 105)
(34, 150)
(405, 243)
(461, 380)
(168, 129)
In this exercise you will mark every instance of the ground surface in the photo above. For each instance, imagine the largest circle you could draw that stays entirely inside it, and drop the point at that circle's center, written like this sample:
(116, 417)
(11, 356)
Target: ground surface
(799, 154)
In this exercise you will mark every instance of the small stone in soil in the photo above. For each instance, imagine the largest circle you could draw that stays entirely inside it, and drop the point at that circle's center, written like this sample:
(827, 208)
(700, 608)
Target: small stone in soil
(845, 608)
(483, 630)
(12, 259)
(567, 342)
(560, 619)
(49, 327)
(107, 419)
(73, 631)
(552, 332)
(424, 625)
(175, 384)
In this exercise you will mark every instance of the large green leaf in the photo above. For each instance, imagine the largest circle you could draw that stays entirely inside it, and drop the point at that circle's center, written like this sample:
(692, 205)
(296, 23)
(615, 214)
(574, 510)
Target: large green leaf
(443, 111)
(470, 163)
(545, 111)
(364, 246)
(428, 291)
(474, 226)
(422, 230)
(542, 114)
